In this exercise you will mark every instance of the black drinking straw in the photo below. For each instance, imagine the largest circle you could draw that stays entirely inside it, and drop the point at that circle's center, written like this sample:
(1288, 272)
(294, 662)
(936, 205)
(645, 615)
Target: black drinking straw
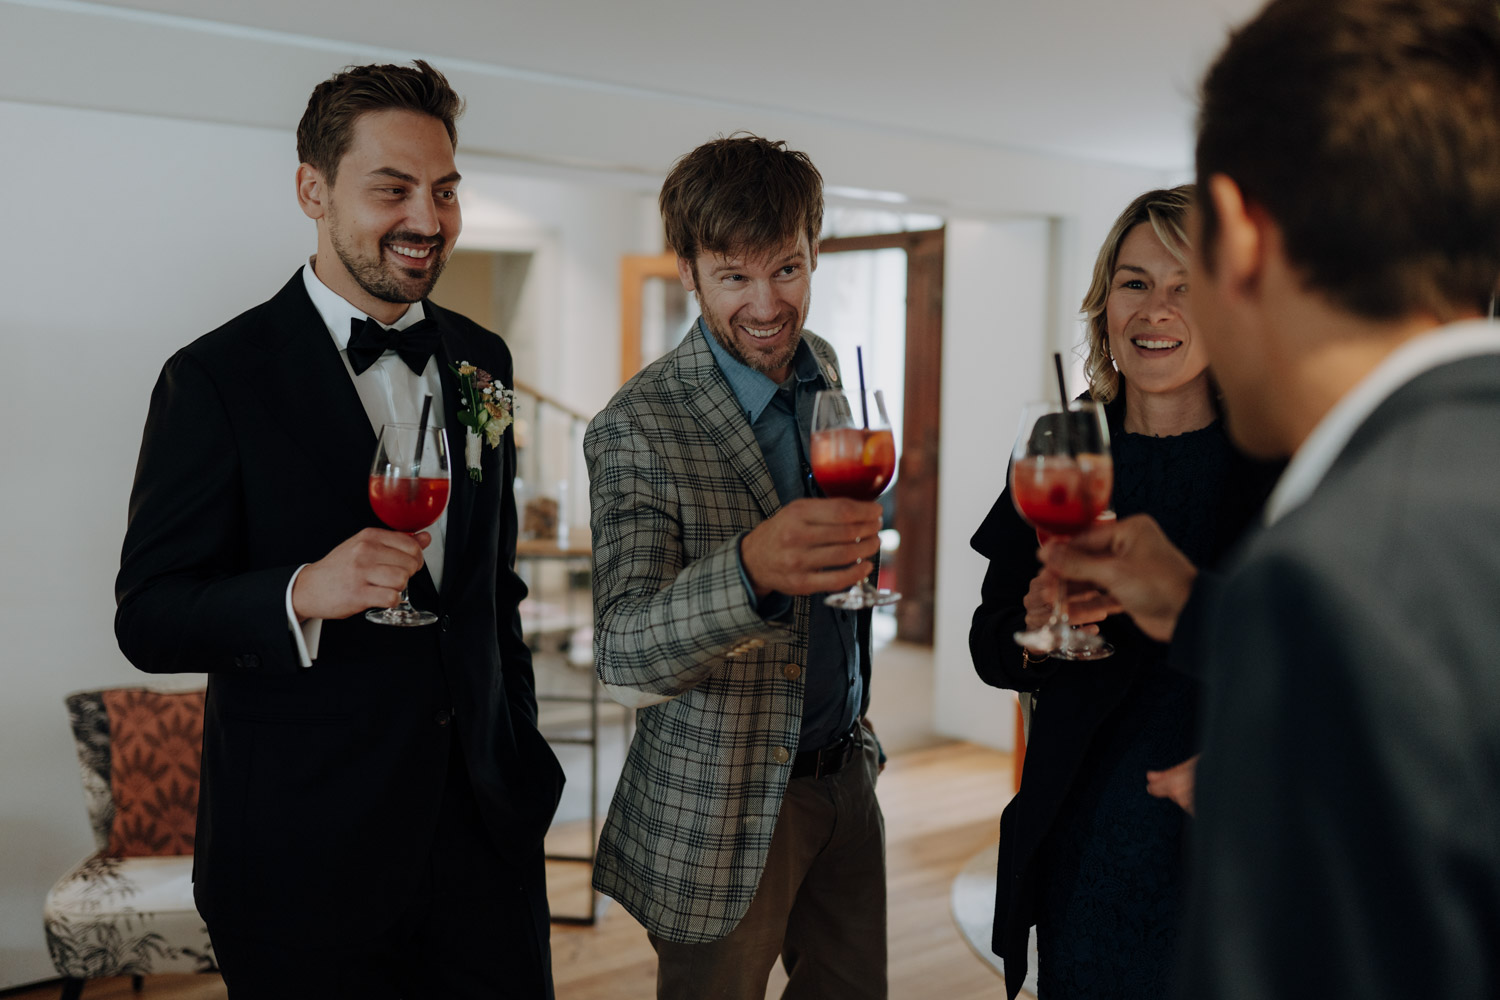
(864, 409)
(1062, 394)
(416, 465)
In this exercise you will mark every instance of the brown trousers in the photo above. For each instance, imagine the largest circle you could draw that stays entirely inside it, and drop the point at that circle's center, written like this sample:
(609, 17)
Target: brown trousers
(820, 904)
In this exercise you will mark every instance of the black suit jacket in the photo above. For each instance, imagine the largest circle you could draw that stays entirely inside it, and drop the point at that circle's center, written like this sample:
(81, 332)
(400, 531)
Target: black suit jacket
(320, 786)
(1348, 833)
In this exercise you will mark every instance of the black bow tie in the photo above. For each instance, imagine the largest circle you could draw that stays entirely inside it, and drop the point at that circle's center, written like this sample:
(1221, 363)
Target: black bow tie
(368, 340)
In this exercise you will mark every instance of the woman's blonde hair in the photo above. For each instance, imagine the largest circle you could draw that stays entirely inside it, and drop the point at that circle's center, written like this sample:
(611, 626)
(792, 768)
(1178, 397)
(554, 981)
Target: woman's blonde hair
(1166, 210)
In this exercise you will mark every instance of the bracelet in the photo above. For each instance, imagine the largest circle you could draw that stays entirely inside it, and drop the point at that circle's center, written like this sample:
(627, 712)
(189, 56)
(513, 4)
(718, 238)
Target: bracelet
(1027, 660)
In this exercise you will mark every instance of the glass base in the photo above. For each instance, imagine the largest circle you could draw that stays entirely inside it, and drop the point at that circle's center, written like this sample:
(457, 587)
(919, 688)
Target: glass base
(1065, 643)
(860, 596)
(407, 617)
(1088, 652)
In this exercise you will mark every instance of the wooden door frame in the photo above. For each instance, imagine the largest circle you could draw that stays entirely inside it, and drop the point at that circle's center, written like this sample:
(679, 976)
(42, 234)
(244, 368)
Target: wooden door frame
(917, 485)
(635, 270)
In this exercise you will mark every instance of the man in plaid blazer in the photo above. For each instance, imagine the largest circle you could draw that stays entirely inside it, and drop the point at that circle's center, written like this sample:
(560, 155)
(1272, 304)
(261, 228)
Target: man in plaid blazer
(745, 823)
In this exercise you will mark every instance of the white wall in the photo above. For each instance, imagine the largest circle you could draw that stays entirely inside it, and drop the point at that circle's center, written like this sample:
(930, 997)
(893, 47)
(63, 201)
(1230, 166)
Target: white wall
(996, 343)
(85, 55)
(580, 230)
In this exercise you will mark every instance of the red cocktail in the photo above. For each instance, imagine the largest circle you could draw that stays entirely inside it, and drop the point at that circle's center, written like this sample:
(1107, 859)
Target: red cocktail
(408, 489)
(406, 504)
(852, 462)
(1062, 494)
(1061, 478)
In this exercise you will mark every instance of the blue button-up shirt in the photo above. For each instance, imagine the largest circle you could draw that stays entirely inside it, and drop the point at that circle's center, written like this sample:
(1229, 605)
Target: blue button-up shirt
(781, 418)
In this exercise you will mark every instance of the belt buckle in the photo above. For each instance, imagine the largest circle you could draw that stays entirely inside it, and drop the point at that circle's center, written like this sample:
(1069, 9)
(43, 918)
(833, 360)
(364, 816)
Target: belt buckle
(818, 763)
(840, 751)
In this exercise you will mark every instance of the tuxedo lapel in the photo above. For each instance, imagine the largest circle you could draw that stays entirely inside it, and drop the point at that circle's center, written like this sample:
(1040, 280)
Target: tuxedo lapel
(310, 396)
(462, 490)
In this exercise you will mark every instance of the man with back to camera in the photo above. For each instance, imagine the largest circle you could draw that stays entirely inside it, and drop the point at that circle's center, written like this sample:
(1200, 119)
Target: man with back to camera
(745, 824)
(373, 799)
(1348, 831)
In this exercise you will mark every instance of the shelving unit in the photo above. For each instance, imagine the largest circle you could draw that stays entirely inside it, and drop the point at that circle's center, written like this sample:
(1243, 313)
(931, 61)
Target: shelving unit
(556, 618)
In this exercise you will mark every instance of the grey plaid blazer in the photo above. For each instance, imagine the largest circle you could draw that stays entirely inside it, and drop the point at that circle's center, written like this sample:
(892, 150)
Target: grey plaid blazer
(676, 478)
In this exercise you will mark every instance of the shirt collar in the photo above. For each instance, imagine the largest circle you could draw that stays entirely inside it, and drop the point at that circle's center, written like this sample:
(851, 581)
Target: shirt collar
(1416, 357)
(337, 311)
(754, 390)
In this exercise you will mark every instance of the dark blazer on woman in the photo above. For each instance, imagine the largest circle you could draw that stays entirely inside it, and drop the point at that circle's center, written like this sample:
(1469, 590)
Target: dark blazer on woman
(1070, 700)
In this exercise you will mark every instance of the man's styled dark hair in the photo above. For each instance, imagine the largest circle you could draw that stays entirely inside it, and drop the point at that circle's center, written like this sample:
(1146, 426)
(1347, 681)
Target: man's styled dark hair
(1369, 130)
(327, 126)
(741, 194)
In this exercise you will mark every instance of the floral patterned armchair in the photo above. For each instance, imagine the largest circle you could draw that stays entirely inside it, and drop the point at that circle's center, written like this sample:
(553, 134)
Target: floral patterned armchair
(132, 915)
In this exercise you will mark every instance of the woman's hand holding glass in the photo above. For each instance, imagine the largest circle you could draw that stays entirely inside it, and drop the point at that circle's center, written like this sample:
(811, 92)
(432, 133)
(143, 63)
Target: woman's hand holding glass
(1086, 605)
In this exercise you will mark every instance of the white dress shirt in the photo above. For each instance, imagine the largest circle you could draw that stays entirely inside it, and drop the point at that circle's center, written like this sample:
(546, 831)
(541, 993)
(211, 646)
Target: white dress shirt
(1327, 440)
(391, 393)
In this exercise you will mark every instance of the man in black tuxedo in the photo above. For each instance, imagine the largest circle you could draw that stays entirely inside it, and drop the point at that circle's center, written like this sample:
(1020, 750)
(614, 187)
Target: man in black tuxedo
(1348, 833)
(373, 799)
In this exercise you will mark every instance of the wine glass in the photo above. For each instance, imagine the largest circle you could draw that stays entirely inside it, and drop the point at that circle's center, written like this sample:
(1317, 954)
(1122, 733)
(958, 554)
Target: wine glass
(1061, 476)
(854, 461)
(408, 491)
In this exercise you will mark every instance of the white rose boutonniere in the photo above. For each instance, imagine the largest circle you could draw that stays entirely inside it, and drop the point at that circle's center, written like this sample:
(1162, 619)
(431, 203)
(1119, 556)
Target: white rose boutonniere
(485, 407)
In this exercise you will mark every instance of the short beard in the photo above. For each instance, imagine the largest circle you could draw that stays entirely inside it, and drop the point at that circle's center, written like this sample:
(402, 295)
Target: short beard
(375, 277)
(757, 361)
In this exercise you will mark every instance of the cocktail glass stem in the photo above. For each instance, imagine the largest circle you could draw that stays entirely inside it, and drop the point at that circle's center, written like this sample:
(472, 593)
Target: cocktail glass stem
(1059, 622)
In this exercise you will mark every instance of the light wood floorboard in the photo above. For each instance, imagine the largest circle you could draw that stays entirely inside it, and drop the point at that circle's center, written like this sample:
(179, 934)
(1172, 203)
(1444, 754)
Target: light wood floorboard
(942, 806)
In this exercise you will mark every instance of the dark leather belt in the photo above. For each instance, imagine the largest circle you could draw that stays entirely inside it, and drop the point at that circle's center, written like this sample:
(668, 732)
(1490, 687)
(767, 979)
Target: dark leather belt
(828, 760)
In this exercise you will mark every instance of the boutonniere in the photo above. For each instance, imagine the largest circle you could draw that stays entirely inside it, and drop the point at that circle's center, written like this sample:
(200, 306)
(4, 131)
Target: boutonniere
(485, 407)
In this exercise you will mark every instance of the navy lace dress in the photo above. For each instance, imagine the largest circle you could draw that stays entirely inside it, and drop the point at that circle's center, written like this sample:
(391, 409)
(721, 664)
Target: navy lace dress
(1086, 854)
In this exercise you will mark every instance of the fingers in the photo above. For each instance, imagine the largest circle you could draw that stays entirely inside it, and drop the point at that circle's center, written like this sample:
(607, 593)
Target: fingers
(834, 580)
(828, 510)
(399, 541)
(1071, 561)
(840, 554)
(812, 545)
(367, 570)
(1175, 783)
(1090, 607)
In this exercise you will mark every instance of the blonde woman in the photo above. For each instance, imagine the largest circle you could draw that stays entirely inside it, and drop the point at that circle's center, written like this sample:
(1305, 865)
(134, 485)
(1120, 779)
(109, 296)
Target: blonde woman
(1087, 853)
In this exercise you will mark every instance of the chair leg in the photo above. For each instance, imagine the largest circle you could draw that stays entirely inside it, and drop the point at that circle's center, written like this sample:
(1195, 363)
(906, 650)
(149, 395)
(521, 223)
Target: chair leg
(72, 988)
(138, 983)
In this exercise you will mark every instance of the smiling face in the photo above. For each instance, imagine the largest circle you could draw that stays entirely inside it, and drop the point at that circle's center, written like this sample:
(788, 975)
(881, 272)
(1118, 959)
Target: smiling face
(755, 303)
(1154, 345)
(387, 224)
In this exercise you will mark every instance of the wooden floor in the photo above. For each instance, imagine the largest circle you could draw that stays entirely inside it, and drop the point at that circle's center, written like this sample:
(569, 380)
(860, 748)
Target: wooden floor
(942, 806)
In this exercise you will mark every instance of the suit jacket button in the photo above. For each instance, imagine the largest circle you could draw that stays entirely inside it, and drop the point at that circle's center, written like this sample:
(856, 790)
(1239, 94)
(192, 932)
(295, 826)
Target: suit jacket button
(445, 622)
(442, 716)
(792, 671)
(780, 755)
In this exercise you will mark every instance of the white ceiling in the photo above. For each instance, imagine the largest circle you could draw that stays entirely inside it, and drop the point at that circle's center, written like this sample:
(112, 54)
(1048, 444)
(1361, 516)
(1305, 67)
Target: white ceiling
(1100, 80)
